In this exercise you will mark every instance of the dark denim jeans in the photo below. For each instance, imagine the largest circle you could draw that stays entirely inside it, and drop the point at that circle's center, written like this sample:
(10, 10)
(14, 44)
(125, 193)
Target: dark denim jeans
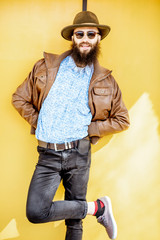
(72, 166)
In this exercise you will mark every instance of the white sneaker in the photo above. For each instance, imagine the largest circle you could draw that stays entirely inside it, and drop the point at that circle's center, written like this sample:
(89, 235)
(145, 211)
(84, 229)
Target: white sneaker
(107, 219)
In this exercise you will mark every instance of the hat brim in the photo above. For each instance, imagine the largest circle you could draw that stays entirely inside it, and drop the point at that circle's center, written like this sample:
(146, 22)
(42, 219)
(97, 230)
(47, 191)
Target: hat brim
(68, 31)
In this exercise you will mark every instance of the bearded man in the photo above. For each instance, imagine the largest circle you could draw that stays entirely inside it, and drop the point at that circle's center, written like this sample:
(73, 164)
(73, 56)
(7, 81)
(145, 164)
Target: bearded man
(70, 101)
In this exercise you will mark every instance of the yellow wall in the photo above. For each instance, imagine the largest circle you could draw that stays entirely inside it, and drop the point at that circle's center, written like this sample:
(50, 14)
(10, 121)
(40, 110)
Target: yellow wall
(127, 168)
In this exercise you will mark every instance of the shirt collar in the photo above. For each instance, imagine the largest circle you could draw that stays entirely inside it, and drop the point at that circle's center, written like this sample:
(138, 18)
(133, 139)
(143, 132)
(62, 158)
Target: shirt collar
(73, 66)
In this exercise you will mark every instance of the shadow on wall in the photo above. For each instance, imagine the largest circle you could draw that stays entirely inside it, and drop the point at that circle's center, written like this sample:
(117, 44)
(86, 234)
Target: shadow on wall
(127, 168)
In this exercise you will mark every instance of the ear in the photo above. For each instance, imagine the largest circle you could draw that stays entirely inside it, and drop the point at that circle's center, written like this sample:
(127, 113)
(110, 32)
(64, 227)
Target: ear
(99, 38)
(72, 38)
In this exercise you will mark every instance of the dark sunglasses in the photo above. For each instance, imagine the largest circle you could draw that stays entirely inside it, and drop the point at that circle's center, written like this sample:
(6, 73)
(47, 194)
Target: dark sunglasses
(90, 34)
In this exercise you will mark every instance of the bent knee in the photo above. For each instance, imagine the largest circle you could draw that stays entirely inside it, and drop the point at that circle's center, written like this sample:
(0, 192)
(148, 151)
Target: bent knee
(34, 215)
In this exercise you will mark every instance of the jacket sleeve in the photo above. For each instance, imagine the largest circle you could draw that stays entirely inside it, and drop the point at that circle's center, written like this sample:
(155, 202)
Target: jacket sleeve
(22, 100)
(117, 121)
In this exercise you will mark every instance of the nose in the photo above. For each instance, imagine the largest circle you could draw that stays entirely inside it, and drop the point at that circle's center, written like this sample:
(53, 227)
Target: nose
(85, 38)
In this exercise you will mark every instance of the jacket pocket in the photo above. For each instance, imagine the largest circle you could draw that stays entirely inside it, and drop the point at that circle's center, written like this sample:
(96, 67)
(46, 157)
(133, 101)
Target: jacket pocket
(102, 97)
(102, 91)
(39, 88)
(40, 79)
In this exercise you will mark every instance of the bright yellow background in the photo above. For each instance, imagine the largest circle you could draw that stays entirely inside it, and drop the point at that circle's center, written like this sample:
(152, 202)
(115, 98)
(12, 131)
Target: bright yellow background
(127, 168)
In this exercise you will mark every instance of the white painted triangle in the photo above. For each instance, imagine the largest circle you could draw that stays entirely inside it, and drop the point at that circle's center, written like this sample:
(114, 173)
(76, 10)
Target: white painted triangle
(10, 231)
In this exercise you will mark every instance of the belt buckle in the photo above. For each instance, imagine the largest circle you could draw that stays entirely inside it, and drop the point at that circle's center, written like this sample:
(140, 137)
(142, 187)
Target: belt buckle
(69, 145)
(55, 147)
(66, 144)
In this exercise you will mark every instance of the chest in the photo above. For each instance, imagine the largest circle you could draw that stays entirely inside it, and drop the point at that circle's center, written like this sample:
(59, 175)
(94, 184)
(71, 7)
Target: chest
(70, 86)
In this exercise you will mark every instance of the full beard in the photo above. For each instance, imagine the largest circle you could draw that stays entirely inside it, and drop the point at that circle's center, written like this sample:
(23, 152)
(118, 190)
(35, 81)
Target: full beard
(83, 59)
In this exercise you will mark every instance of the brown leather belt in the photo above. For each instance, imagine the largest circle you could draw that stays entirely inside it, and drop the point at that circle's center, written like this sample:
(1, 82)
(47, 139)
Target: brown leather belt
(58, 146)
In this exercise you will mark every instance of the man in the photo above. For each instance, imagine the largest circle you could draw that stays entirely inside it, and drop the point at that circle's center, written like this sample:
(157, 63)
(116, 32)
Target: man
(70, 101)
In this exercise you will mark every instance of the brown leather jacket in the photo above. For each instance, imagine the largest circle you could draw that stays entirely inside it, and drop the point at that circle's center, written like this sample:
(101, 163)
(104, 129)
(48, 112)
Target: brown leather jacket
(105, 100)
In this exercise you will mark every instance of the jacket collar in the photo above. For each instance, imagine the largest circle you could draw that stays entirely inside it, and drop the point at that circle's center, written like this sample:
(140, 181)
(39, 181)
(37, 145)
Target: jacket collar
(54, 60)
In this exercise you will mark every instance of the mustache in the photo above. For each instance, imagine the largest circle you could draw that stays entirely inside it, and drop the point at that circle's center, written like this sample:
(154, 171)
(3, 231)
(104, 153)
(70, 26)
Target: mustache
(85, 43)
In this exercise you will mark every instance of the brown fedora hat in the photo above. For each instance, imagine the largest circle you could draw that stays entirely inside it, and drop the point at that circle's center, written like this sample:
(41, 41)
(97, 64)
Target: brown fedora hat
(85, 19)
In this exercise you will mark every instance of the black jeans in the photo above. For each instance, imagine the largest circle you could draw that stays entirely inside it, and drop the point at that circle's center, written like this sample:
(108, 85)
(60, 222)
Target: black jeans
(72, 166)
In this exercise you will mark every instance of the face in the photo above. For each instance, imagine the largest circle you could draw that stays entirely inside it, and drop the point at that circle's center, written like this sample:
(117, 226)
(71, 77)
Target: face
(86, 43)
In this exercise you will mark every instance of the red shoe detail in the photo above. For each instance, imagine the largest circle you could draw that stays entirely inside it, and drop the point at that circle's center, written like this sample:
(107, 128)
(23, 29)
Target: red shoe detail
(102, 204)
(96, 208)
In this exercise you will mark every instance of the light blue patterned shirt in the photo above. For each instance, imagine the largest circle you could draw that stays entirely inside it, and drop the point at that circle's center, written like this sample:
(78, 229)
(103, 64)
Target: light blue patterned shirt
(65, 113)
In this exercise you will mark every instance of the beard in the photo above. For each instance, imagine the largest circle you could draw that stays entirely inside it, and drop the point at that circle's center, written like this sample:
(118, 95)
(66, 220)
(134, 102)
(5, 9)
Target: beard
(83, 59)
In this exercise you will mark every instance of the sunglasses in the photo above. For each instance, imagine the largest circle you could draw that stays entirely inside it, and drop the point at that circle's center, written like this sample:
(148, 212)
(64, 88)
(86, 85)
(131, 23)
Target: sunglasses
(90, 34)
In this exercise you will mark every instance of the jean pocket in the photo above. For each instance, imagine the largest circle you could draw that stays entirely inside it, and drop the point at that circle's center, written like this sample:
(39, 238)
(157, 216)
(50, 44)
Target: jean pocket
(83, 153)
(84, 147)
